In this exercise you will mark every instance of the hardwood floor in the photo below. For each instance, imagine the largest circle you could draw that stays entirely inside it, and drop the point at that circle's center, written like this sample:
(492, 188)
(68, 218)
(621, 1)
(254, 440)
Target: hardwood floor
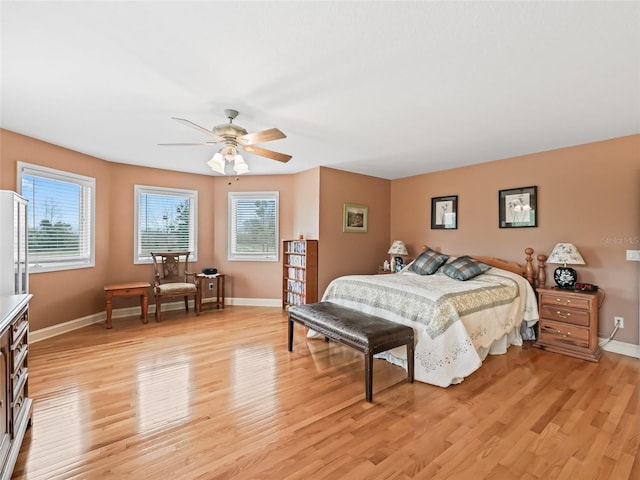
(218, 396)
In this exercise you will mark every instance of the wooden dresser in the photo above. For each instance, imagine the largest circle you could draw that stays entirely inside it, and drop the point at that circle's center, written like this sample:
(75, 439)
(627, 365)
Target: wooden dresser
(569, 323)
(15, 404)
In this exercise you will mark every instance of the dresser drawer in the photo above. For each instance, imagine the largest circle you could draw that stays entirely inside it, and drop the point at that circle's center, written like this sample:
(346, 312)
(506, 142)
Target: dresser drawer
(19, 358)
(564, 301)
(19, 333)
(565, 315)
(556, 333)
(19, 380)
(18, 408)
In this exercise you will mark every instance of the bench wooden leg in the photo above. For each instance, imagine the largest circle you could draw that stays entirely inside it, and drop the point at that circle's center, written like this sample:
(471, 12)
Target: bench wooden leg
(368, 376)
(290, 336)
(410, 360)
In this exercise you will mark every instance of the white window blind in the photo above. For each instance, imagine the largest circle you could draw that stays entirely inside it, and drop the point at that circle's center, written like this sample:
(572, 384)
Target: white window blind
(61, 210)
(166, 221)
(253, 226)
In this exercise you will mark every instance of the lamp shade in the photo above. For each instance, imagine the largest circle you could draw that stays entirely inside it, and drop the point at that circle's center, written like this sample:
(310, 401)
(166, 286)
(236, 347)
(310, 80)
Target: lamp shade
(398, 248)
(565, 254)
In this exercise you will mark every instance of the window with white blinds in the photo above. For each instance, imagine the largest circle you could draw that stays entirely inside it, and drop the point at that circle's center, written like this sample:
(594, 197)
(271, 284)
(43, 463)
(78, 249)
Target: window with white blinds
(165, 221)
(253, 226)
(61, 212)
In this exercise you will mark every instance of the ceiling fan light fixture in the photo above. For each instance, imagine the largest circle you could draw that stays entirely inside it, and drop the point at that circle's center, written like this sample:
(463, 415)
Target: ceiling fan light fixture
(229, 152)
(217, 163)
(240, 166)
(233, 136)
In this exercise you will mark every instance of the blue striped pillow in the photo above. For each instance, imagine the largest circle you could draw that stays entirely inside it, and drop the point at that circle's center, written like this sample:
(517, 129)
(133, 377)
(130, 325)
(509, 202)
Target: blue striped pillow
(464, 268)
(428, 262)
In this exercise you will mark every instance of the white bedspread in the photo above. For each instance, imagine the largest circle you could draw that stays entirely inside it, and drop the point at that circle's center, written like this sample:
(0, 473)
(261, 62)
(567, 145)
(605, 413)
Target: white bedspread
(456, 323)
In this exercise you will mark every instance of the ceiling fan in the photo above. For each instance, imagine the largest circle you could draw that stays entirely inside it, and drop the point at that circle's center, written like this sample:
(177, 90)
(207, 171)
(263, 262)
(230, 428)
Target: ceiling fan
(234, 136)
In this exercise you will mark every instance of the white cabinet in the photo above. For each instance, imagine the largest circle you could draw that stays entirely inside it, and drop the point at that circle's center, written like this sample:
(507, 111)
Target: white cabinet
(14, 267)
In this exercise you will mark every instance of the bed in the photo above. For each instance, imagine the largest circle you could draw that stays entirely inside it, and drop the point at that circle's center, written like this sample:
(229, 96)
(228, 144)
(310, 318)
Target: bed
(459, 316)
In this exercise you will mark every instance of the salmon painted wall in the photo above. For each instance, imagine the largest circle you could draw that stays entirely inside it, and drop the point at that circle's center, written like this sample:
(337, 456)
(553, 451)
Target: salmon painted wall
(306, 207)
(124, 178)
(70, 294)
(73, 294)
(351, 253)
(588, 195)
(582, 193)
(250, 280)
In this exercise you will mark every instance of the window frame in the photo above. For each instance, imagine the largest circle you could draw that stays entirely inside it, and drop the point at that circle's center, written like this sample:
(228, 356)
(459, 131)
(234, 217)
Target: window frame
(191, 195)
(88, 189)
(234, 256)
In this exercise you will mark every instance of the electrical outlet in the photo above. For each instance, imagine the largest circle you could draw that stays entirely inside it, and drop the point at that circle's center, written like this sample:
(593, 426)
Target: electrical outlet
(618, 321)
(211, 286)
(633, 255)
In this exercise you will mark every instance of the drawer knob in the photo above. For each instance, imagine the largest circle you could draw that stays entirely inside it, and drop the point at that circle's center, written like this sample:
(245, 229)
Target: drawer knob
(559, 313)
(560, 300)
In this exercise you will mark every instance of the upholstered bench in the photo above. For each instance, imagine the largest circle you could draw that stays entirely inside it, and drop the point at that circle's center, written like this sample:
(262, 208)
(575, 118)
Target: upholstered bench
(366, 333)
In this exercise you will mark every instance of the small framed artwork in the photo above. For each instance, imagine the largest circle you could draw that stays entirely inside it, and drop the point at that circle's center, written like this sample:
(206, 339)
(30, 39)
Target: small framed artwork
(517, 207)
(444, 212)
(355, 218)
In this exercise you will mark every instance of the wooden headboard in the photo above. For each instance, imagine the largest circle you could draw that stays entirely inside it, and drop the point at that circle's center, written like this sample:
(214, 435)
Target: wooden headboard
(539, 278)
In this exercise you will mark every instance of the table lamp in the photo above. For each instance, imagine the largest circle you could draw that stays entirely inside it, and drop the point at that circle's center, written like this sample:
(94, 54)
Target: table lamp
(565, 254)
(397, 248)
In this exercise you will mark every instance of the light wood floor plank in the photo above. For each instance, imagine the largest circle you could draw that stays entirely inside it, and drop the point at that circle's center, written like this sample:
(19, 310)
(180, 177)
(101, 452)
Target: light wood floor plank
(220, 397)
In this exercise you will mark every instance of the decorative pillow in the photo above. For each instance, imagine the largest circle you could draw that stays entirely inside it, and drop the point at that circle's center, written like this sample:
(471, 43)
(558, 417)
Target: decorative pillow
(428, 262)
(464, 268)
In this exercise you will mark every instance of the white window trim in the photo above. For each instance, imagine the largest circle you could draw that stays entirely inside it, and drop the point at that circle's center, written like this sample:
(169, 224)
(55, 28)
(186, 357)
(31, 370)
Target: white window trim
(177, 192)
(37, 170)
(232, 227)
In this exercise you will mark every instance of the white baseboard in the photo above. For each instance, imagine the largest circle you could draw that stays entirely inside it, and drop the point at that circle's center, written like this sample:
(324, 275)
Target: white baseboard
(55, 330)
(59, 329)
(613, 346)
(254, 302)
(622, 348)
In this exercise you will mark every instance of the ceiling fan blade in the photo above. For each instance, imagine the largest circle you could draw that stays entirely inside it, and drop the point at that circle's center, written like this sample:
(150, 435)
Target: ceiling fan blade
(185, 144)
(189, 123)
(263, 152)
(259, 137)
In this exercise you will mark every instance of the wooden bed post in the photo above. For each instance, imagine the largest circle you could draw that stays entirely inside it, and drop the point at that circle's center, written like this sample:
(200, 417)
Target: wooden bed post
(528, 269)
(542, 273)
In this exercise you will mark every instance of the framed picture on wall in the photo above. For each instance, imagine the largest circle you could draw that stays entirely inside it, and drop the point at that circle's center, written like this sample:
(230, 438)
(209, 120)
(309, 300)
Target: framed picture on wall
(517, 207)
(444, 212)
(355, 218)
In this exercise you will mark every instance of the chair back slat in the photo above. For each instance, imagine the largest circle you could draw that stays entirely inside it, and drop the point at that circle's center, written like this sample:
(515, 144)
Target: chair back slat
(170, 267)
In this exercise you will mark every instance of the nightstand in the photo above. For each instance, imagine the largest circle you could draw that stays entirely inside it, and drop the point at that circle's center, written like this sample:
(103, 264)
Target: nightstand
(569, 323)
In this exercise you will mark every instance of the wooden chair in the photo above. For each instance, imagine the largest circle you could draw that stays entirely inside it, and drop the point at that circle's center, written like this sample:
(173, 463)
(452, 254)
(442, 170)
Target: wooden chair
(173, 279)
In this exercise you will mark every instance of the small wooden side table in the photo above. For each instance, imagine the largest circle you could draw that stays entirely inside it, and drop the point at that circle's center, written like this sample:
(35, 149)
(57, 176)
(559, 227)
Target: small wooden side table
(128, 290)
(218, 279)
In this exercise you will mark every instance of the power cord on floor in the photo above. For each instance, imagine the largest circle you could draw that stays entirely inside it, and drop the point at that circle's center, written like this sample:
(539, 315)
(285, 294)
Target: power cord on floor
(615, 329)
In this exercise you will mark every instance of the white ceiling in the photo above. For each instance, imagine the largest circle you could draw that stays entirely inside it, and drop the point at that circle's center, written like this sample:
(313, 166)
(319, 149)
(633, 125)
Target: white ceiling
(388, 89)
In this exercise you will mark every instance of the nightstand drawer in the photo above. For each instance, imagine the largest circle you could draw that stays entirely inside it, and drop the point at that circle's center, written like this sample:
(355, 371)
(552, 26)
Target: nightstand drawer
(564, 301)
(565, 315)
(555, 333)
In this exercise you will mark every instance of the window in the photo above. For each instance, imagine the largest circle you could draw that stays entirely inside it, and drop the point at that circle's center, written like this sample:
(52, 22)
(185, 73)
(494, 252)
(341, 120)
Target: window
(253, 226)
(165, 221)
(61, 212)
